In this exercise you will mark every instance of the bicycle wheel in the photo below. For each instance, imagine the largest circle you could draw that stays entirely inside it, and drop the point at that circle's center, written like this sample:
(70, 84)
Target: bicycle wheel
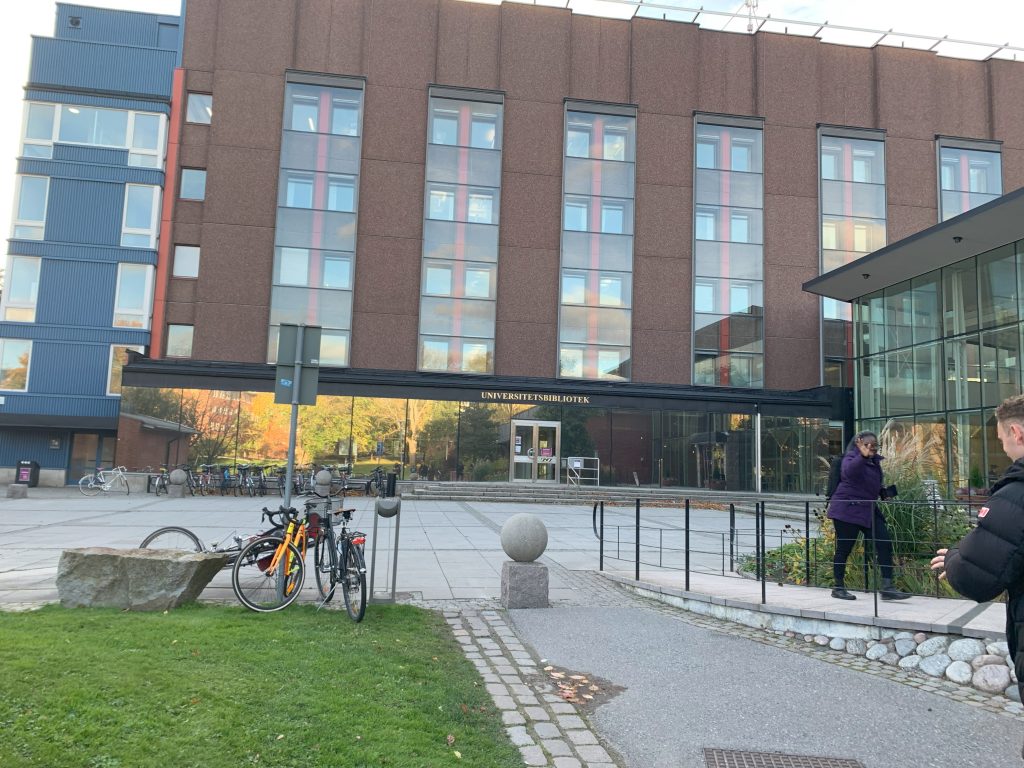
(325, 557)
(354, 583)
(121, 484)
(89, 486)
(260, 587)
(172, 537)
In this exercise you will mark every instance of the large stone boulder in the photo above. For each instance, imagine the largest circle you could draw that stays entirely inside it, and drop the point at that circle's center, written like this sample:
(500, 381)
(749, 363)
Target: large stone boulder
(134, 579)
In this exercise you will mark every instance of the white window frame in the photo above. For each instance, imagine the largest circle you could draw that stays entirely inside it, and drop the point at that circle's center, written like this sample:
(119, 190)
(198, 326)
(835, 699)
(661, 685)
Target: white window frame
(133, 153)
(699, 305)
(28, 368)
(575, 355)
(17, 222)
(154, 218)
(6, 301)
(147, 298)
(110, 364)
(36, 142)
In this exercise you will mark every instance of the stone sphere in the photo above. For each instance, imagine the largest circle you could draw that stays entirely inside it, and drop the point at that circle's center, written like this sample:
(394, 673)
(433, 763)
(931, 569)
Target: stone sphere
(178, 477)
(524, 537)
(323, 477)
(388, 507)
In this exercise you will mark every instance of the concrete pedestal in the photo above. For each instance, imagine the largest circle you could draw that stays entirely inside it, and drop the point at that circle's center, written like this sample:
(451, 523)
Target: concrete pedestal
(524, 585)
(17, 491)
(175, 491)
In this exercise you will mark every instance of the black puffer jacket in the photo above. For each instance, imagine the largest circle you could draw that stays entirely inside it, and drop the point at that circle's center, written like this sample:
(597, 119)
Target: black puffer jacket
(990, 559)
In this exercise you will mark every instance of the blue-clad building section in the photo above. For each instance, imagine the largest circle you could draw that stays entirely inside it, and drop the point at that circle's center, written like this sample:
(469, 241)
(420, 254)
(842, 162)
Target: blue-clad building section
(83, 247)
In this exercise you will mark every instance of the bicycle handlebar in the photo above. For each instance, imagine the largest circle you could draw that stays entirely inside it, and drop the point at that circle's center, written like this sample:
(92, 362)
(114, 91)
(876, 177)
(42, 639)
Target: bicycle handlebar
(287, 514)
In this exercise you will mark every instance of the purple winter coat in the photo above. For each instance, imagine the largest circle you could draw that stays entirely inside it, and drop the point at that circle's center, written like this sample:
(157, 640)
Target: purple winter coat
(859, 487)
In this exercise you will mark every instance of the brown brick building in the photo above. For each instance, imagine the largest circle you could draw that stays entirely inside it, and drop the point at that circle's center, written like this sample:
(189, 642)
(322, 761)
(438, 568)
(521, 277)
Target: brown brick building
(515, 201)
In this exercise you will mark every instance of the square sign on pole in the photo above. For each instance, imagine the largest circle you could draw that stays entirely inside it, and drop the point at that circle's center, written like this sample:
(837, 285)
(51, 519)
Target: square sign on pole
(308, 372)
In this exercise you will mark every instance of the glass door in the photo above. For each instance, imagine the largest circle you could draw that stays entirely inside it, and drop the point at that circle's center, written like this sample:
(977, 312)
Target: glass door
(535, 451)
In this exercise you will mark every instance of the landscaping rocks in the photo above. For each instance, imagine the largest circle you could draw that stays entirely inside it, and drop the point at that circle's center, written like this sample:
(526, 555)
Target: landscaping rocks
(965, 649)
(960, 672)
(935, 665)
(134, 579)
(992, 678)
(932, 646)
(964, 660)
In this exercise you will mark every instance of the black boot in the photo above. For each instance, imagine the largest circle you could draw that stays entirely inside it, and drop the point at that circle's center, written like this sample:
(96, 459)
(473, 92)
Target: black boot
(889, 592)
(840, 593)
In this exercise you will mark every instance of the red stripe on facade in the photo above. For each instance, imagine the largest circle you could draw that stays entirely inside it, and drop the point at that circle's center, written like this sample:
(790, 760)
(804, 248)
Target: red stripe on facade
(163, 261)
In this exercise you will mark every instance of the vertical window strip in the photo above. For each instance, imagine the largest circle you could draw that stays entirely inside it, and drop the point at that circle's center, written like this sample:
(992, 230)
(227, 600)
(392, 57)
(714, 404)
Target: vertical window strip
(598, 189)
(968, 176)
(317, 215)
(728, 339)
(852, 224)
(460, 246)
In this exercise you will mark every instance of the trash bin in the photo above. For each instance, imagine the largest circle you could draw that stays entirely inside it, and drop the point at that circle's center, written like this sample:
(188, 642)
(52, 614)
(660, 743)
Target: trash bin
(27, 472)
(392, 484)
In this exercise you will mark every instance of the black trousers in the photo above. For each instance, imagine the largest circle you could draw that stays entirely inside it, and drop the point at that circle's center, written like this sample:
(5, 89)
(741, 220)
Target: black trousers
(846, 537)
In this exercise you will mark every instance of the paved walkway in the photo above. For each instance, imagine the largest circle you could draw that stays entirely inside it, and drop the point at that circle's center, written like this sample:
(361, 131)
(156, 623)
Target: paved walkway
(665, 682)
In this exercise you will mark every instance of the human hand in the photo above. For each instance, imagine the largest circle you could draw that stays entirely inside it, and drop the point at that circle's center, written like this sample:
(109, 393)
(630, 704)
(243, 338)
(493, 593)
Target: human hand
(939, 563)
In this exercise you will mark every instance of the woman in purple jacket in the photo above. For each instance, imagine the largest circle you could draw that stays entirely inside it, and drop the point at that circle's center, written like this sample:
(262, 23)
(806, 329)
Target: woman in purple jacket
(852, 508)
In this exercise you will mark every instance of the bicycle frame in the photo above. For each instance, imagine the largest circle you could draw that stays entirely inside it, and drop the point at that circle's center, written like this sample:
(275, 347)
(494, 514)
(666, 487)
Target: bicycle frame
(295, 534)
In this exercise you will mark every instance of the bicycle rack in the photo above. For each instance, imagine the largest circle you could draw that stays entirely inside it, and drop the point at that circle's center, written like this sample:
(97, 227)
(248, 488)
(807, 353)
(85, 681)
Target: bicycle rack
(387, 508)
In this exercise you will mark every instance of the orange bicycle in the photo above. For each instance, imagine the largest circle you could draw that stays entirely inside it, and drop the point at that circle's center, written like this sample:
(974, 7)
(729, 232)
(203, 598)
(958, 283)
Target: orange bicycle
(269, 572)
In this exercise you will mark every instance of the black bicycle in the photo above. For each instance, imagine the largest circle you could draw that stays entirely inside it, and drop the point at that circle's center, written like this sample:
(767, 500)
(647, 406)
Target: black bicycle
(338, 559)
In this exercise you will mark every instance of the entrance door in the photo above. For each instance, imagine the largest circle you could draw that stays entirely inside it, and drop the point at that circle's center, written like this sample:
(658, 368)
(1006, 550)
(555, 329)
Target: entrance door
(535, 450)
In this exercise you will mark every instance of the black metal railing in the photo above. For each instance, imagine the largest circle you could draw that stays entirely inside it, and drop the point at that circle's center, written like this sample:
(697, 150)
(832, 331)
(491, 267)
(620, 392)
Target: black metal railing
(764, 541)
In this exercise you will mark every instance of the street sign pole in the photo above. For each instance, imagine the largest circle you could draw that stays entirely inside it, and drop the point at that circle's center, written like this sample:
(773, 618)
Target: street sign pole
(294, 425)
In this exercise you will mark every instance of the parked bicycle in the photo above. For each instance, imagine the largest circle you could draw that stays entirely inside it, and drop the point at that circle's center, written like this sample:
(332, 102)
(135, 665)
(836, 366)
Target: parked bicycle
(338, 559)
(269, 572)
(178, 537)
(105, 480)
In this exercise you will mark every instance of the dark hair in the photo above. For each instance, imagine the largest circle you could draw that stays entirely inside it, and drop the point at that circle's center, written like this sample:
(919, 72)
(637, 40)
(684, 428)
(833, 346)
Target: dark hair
(860, 436)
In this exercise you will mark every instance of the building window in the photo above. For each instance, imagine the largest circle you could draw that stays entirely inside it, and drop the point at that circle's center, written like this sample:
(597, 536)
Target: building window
(132, 297)
(598, 184)
(317, 209)
(970, 174)
(728, 182)
(118, 359)
(15, 357)
(186, 261)
(193, 184)
(179, 340)
(460, 246)
(30, 216)
(141, 133)
(141, 214)
(199, 108)
(21, 289)
(852, 224)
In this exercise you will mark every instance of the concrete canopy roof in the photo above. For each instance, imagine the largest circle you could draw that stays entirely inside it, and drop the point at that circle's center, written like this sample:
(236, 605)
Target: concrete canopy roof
(981, 229)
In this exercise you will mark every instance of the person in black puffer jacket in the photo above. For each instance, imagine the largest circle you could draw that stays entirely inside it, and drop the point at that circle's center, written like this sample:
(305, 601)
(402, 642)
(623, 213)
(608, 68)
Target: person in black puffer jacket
(990, 559)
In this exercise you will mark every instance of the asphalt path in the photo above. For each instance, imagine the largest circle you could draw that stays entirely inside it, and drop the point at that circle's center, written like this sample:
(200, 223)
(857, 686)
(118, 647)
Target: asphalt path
(687, 687)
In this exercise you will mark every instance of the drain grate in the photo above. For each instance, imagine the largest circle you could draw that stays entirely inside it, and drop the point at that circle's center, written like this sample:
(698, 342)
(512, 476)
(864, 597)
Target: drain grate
(726, 758)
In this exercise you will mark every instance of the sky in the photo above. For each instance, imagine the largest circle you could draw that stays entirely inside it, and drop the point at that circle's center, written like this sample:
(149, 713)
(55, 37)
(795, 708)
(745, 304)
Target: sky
(987, 21)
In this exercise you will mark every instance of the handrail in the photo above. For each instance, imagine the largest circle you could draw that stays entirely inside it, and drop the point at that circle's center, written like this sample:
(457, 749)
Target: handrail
(583, 470)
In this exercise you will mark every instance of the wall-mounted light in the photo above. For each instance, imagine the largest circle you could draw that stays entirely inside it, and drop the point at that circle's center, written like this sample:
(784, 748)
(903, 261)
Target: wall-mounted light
(865, 275)
(957, 239)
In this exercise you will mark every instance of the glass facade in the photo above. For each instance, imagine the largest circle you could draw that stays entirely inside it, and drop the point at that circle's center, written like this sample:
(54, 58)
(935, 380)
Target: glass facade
(852, 205)
(596, 292)
(728, 272)
(317, 203)
(935, 356)
(970, 174)
(473, 441)
(462, 200)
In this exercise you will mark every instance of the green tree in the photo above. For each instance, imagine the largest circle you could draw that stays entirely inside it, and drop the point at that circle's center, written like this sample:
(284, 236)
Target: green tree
(146, 401)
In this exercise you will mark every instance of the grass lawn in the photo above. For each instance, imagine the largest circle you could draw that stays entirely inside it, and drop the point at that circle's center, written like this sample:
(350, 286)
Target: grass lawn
(212, 686)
